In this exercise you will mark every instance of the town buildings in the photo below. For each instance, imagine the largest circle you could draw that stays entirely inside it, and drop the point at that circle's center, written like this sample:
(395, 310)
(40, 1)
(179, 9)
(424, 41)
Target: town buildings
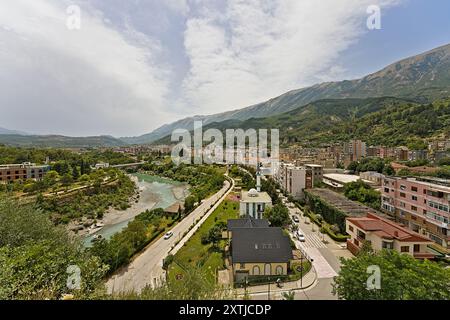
(384, 234)
(421, 204)
(294, 180)
(257, 249)
(24, 171)
(254, 202)
(354, 150)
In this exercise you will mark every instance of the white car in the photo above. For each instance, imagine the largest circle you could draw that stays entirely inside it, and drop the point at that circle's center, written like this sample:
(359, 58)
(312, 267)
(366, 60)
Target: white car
(300, 237)
(168, 235)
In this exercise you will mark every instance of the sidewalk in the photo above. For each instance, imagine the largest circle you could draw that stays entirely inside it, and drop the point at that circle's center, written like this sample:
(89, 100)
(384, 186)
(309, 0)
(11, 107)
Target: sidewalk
(217, 201)
(308, 281)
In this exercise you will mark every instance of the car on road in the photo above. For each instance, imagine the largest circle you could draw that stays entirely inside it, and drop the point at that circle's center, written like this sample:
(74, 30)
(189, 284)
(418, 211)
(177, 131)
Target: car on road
(300, 236)
(168, 235)
(295, 219)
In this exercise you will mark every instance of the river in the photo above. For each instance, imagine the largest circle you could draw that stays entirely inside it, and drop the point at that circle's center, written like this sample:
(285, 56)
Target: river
(155, 192)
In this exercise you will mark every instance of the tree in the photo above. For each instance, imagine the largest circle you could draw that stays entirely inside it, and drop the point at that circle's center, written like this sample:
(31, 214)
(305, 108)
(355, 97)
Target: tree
(353, 166)
(75, 173)
(35, 256)
(402, 277)
(189, 203)
(50, 178)
(444, 161)
(66, 179)
(388, 170)
(278, 215)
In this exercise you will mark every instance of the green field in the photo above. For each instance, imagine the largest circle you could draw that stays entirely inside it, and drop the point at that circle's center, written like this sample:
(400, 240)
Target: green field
(194, 253)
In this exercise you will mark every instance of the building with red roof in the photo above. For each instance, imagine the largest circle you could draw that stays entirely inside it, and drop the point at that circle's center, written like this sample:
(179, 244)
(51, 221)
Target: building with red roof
(382, 233)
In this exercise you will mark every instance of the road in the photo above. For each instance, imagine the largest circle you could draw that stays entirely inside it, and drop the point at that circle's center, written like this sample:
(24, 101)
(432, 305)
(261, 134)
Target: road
(325, 254)
(146, 269)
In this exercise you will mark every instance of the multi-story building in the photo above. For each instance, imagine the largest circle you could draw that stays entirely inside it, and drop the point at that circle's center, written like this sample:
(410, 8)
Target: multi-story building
(384, 234)
(294, 180)
(421, 204)
(355, 150)
(373, 151)
(372, 176)
(317, 171)
(417, 155)
(387, 152)
(26, 170)
(401, 153)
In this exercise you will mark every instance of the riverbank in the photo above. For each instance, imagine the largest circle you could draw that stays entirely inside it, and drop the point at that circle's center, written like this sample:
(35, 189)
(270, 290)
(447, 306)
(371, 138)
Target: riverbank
(153, 192)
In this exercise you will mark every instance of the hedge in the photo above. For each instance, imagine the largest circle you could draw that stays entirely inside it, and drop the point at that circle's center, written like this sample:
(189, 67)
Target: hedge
(326, 228)
(329, 213)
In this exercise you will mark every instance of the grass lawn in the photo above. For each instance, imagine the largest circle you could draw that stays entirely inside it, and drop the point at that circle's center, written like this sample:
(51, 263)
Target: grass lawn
(194, 253)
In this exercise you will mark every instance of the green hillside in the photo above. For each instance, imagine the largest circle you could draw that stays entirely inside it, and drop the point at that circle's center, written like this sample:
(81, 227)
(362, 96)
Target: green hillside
(388, 121)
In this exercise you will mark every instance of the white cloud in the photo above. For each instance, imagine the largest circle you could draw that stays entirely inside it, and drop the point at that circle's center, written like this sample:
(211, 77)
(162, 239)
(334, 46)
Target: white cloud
(257, 49)
(89, 81)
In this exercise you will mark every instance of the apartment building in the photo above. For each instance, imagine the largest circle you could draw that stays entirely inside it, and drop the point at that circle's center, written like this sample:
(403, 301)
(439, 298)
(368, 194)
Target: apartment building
(23, 171)
(384, 234)
(355, 150)
(294, 180)
(421, 204)
(317, 171)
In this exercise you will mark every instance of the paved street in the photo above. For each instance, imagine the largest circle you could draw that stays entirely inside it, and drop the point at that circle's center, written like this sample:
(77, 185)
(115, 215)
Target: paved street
(146, 268)
(326, 256)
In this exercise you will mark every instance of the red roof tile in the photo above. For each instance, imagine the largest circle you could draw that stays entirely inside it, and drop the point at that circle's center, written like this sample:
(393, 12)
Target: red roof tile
(387, 229)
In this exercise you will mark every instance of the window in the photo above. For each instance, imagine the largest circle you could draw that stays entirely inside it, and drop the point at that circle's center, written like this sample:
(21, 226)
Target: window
(256, 271)
(404, 249)
(414, 198)
(350, 228)
(417, 248)
(361, 235)
(403, 195)
(268, 269)
(414, 189)
(402, 187)
(387, 245)
(279, 270)
(413, 208)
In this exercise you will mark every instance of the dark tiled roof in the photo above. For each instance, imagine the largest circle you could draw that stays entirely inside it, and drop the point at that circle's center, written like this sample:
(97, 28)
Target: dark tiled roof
(260, 245)
(247, 223)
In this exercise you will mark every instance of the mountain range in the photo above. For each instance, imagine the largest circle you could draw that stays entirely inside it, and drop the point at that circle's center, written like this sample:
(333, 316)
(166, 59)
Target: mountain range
(424, 78)
(420, 79)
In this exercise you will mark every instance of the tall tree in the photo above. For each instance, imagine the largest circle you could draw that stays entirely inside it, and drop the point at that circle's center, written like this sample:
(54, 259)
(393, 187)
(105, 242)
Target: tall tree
(401, 277)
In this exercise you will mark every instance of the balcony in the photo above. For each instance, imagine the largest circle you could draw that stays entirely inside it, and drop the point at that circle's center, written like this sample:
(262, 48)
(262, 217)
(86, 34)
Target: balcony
(423, 255)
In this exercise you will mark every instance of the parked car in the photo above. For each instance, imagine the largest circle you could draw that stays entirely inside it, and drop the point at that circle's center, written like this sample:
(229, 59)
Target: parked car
(295, 219)
(300, 237)
(168, 235)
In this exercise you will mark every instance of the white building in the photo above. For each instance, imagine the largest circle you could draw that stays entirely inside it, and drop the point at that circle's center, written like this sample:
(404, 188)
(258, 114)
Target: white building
(294, 180)
(253, 203)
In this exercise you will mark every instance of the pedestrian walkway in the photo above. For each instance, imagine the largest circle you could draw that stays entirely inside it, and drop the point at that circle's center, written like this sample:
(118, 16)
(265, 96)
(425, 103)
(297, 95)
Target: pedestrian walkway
(308, 280)
(313, 241)
(323, 268)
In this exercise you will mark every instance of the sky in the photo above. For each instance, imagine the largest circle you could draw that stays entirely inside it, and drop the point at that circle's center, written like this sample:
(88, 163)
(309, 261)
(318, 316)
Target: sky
(124, 68)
